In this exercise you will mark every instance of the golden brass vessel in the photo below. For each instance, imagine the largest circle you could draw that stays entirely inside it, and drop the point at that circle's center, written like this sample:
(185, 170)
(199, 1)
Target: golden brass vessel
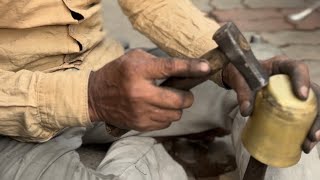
(279, 123)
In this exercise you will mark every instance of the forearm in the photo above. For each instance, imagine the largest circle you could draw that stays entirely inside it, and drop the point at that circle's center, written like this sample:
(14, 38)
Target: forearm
(177, 27)
(34, 106)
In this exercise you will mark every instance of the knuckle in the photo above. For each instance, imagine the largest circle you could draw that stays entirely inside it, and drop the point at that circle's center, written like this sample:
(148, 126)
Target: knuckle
(135, 52)
(296, 63)
(125, 65)
(135, 119)
(141, 126)
(134, 93)
(302, 65)
(135, 58)
(189, 99)
(299, 67)
(177, 115)
(178, 102)
(167, 66)
(165, 125)
(281, 58)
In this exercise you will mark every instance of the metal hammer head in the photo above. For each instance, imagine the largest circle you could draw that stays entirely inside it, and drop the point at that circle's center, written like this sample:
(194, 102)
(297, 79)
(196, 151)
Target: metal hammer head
(236, 48)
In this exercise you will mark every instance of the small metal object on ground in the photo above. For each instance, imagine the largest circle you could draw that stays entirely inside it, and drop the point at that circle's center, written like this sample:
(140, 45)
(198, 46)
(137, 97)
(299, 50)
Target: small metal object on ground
(255, 170)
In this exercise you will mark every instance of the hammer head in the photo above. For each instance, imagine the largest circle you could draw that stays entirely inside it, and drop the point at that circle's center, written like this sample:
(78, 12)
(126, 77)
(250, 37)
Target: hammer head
(236, 48)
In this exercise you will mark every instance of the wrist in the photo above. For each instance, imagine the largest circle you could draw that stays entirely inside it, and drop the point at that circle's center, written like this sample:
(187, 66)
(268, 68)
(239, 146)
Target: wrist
(92, 111)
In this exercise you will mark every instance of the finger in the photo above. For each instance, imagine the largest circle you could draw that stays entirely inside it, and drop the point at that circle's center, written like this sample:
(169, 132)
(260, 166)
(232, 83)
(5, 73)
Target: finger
(166, 67)
(166, 115)
(268, 64)
(299, 75)
(308, 145)
(153, 126)
(139, 54)
(184, 83)
(244, 94)
(314, 133)
(169, 98)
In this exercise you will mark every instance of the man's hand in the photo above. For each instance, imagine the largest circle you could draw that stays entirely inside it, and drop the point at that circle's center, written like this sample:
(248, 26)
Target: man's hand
(124, 94)
(299, 75)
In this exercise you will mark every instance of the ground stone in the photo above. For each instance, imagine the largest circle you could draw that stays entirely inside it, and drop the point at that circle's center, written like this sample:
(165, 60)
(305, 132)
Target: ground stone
(274, 3)
(282, 38)
(310, 52)
(246, 14)
(120, 28)
(309, 23)
(226, 4)
(265, 51)
(267, 25)
(249, 35)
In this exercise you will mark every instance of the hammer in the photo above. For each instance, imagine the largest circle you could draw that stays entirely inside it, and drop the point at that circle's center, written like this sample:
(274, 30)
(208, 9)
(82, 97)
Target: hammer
(233, 48)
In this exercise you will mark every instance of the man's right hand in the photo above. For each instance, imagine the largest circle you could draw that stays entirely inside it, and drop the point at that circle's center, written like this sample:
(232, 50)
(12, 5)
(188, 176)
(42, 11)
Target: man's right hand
(124, 94)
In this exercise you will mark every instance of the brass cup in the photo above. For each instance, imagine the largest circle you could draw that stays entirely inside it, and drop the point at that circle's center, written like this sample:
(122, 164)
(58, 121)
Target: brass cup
(279, 124)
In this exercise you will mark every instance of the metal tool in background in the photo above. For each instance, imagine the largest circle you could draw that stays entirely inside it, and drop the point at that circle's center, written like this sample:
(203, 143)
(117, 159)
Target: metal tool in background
(304, 13)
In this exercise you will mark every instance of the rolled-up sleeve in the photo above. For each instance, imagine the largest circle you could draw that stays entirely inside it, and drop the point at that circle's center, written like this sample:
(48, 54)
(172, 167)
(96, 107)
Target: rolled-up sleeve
(35, 106)
(178, 28)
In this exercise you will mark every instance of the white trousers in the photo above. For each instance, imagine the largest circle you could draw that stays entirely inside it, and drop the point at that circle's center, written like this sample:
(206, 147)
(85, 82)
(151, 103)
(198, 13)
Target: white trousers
(136, 155)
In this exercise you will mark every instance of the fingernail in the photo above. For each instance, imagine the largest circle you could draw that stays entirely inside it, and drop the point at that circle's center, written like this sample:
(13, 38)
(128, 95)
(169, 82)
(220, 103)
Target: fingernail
(304, 91)
(244, 107)
(204, 67)
(318, 135)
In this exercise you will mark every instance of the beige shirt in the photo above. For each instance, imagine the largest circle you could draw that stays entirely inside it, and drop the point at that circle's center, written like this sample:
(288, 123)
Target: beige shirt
(43, 41)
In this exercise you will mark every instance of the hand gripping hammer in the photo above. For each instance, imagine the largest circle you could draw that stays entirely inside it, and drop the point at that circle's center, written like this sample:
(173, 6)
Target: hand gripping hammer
(233, 48)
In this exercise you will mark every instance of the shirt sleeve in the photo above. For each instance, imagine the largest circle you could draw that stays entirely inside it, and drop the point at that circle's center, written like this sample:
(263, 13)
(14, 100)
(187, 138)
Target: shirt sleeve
(35, 106)
(178, 28)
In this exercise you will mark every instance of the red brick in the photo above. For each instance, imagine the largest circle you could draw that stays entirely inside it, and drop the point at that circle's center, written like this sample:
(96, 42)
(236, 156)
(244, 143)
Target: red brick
(290, 11)
(268, 25)
(245, 14)
(309, 23)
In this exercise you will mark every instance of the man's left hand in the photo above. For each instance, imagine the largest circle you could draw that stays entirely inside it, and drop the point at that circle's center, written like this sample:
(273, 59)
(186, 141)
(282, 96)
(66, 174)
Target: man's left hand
(300, 79)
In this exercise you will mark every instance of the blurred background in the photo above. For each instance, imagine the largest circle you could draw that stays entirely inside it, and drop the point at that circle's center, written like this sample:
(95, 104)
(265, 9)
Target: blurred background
(274, 27)
(264, 21)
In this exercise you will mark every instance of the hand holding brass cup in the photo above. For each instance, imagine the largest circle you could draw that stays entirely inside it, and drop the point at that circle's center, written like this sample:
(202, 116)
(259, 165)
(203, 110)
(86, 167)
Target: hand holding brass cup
(279, 124)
